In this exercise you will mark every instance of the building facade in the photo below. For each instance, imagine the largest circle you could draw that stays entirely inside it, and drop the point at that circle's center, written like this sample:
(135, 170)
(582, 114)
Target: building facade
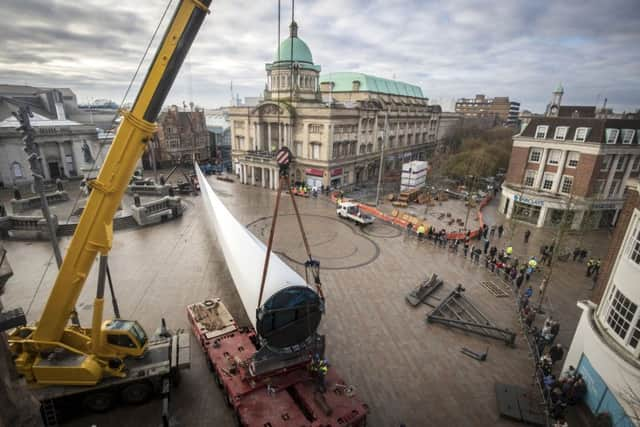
(335, 124)
(605, 349)
(220, 136)
(566, 167)
(68, 149)
(181, 136)
(503, 111)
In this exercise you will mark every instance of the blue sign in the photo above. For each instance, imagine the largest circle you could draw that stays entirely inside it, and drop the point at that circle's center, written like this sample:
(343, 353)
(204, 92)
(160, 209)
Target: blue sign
(527, 201)
(599, 398)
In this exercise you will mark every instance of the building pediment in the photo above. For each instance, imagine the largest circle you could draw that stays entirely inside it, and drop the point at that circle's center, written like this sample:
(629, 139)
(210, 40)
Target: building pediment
(273, 108)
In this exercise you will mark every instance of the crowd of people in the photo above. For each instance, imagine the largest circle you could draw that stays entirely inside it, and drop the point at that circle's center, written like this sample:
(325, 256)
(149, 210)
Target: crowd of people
(560, 391)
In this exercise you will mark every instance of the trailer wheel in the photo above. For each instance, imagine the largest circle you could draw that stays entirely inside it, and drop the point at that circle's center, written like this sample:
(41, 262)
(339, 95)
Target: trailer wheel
(136, 393)
(100, 401)
(227, 397)
(217, 379)
(209, 363)
(237, 419)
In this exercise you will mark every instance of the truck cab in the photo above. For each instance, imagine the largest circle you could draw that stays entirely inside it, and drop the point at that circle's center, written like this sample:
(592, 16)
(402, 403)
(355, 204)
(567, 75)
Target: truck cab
(123, 338)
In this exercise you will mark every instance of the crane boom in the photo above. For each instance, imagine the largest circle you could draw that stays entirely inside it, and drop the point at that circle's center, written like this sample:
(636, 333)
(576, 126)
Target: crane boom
(94, 232)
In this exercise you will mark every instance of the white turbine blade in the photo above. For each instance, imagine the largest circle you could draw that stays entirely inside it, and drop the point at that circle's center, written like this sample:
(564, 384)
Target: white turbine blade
(245, 254)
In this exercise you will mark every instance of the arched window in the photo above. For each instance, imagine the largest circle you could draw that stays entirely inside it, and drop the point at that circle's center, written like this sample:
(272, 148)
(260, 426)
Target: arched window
(16, 169)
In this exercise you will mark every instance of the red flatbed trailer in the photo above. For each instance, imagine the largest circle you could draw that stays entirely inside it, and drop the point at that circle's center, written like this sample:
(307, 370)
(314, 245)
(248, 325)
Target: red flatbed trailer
(284, 398)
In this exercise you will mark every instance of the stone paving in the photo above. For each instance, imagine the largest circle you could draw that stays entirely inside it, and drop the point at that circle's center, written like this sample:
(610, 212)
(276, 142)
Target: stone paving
(407, 371)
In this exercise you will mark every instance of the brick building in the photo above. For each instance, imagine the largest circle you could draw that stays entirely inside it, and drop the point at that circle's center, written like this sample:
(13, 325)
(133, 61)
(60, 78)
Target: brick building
(181, 135)
(606, 346)
(334, 124)
(571, 159)
(500, 109)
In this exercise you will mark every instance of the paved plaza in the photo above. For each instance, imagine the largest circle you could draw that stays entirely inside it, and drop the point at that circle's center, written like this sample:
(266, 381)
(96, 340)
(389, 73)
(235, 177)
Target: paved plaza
(405, 370)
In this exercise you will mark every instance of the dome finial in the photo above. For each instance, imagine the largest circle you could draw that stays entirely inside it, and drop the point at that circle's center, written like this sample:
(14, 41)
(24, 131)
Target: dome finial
(293, 29)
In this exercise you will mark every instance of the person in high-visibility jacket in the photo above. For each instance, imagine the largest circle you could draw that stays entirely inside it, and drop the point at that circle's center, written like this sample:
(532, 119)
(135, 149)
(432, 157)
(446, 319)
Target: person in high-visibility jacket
(319, 368)
(420, 231)
(509, 250)
(533, 263)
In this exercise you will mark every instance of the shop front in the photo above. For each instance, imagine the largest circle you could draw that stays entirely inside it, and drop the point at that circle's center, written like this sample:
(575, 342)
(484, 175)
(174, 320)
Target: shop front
(336, 177)
(314, 178)
(527, 209)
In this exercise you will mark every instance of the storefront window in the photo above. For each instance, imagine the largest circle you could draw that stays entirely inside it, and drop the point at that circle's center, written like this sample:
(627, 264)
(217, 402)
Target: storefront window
(555, 218)
(527, 213)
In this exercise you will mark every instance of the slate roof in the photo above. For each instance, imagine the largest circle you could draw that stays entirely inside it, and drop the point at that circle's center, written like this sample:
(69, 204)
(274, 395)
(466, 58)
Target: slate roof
(596, 135)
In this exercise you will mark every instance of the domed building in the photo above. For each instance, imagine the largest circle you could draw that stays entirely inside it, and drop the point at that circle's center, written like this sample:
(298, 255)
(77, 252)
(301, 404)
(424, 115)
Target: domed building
(334, 124)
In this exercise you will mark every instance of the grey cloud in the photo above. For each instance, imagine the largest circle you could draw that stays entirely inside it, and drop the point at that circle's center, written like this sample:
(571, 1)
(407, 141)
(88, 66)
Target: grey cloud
(452, 49)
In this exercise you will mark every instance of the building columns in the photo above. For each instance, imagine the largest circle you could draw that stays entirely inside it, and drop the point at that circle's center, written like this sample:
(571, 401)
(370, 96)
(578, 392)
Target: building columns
(540, 173)
(263, 177)
(63, 159)
(269, 141)
(612, 174)
(625, 177)
(243, 175)
(557, 180)
(541, 218)
(45, 165)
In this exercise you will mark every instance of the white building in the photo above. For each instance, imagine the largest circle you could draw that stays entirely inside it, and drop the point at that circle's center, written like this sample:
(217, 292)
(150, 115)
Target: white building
(606, 345)
(68, 149)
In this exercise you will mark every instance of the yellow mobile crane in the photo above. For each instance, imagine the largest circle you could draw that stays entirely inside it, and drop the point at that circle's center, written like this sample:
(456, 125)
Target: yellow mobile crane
(64, 359)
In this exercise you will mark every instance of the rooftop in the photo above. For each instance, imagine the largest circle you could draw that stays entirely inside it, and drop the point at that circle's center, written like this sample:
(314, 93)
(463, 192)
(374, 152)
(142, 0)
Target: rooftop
(37, 121)
(597, 128)
(344, 82)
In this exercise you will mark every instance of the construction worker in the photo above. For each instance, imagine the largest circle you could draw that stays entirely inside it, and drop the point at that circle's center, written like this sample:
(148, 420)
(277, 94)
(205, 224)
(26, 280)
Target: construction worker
(420, 231)
(319, 368)
(596, 266)
(509, 250)
(590, 264)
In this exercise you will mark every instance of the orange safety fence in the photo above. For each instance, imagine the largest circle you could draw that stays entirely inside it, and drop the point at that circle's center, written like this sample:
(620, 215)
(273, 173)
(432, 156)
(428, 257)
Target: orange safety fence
(397, 221)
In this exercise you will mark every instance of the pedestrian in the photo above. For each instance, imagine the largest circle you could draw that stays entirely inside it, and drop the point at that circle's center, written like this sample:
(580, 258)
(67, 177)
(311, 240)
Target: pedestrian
(530, 318)
(576, 253)
(509, 251)
(430, 232)
(465, 248)
(485, 231)
(596, 266)
(555, 329)
(556, 353)
(500, 231)
(545, 254)
(420, 232)
(520, 279)
(486, 245)
(527, 234)
(409, 228)
(590, 265)
(493, 251)
(492, 231)
(528, 292)
(583, 255)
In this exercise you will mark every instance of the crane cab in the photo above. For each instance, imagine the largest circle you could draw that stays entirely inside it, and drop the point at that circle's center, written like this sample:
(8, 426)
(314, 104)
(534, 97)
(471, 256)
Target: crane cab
(122, 338)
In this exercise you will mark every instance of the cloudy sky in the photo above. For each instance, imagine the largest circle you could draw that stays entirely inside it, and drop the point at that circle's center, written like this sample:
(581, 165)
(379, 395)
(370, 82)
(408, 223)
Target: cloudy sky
(452, 48)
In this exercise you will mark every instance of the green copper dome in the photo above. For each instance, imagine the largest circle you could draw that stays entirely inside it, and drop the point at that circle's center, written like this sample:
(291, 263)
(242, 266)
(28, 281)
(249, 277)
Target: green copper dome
(301, 52)
(293, 49)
